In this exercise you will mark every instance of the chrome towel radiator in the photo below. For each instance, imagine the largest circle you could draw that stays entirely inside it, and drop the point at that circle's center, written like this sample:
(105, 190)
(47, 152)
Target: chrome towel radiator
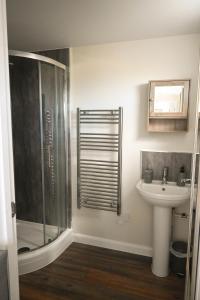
(99, 159)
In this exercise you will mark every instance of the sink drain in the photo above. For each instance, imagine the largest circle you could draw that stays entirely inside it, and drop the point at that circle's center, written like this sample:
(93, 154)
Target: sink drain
(23, 250)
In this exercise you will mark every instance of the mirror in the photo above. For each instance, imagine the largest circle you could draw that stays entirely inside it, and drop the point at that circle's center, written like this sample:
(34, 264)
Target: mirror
(169, 98)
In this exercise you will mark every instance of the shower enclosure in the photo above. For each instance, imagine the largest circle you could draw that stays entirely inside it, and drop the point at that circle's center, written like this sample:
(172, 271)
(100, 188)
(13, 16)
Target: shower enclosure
(40, 122)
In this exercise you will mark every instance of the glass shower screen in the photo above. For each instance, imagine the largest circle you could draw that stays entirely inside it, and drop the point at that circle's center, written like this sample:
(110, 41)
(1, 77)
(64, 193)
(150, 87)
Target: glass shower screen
(40, 140)
(54, 152)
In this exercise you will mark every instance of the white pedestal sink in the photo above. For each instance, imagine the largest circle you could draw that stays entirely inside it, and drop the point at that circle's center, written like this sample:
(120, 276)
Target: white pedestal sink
(163, 198)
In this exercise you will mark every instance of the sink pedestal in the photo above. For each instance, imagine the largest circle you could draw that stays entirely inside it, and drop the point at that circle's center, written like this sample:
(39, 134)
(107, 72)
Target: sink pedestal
(162, 218)
(163, 198)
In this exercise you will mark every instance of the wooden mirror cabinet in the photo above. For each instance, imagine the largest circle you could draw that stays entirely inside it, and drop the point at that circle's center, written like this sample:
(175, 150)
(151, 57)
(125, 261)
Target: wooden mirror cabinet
(168, 104)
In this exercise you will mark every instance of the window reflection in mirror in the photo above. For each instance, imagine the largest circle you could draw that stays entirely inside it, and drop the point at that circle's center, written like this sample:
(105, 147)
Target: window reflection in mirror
(168, 99)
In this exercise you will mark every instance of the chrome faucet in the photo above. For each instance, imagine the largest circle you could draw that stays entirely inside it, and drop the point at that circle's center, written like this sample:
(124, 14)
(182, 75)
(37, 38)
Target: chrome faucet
(165, 175)
(186, 180)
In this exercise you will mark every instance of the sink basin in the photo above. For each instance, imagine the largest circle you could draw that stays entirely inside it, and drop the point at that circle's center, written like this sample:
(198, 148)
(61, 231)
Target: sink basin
(168, 195)
(163, 198)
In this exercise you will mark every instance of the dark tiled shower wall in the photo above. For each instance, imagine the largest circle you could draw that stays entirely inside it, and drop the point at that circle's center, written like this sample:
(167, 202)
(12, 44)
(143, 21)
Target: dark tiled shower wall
(26, 138)
(173, 160)
(61, 55)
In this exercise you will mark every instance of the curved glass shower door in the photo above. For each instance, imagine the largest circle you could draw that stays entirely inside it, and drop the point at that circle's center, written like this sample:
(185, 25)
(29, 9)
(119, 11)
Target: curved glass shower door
(54, 153)
(41, 161)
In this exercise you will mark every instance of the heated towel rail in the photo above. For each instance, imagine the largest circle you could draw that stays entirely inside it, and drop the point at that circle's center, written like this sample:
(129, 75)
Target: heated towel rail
(99, 159)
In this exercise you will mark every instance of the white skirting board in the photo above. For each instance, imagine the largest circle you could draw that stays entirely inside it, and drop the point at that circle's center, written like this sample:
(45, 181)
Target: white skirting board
(37, 259)
(112, 244)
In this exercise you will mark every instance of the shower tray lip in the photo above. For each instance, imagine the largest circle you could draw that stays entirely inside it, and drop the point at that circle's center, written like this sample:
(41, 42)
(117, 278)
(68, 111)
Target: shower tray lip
(34, 260)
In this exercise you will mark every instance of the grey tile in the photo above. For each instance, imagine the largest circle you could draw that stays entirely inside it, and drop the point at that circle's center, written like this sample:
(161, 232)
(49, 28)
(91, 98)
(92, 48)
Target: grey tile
(158, 160)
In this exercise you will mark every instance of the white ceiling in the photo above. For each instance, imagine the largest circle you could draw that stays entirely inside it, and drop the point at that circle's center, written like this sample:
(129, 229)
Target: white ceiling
(49, 24)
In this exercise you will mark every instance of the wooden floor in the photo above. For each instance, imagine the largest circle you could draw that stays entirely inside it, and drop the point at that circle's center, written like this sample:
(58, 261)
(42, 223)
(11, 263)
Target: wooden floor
(86, 272)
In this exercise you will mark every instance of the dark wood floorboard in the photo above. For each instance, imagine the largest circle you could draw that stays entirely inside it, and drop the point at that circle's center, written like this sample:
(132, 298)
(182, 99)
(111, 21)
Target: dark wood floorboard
(85, 272)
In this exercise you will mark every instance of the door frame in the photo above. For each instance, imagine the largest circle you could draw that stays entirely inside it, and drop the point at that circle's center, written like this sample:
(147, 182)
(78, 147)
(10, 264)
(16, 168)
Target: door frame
(8, 239)
(192, 269)
(197, 294)
(195, 285)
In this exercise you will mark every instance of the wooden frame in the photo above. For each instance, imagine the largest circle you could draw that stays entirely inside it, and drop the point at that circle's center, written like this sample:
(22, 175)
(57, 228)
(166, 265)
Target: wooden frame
(168, 121)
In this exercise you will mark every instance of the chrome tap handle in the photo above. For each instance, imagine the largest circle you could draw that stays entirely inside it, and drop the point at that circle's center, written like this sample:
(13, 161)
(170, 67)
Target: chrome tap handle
(165, 171)
(165, 175)
(186, 180)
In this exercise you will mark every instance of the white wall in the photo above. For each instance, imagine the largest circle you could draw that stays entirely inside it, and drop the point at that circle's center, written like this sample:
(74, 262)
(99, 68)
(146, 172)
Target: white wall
(112, 75)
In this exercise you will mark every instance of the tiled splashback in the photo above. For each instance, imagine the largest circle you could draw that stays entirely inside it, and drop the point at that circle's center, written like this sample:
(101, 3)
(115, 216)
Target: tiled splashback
(173, 160)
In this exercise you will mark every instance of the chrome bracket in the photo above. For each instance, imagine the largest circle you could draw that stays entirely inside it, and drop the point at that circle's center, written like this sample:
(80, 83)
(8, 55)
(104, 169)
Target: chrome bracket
(13, 209)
